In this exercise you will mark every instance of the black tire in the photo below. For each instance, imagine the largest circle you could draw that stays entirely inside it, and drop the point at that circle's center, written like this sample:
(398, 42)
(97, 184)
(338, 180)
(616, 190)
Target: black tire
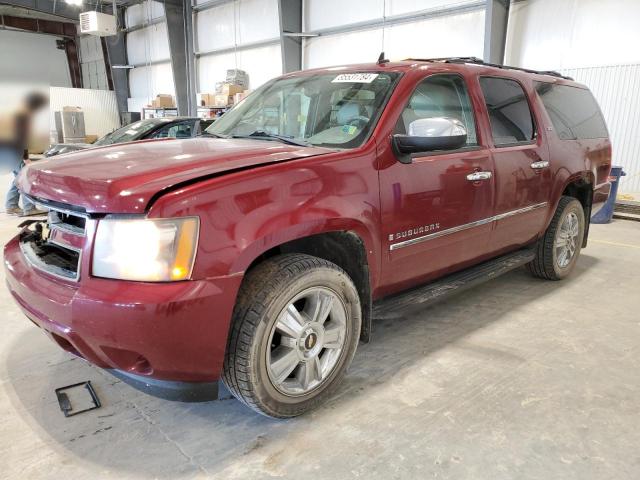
(546, 265)
(266, 291)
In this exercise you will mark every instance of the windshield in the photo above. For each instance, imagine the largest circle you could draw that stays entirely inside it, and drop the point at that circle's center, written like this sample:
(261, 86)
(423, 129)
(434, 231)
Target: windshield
(128, 133)
(329, 110)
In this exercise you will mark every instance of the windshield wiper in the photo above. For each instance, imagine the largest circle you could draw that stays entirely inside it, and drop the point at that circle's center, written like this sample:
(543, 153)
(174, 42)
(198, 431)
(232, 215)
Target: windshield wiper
(282, 138)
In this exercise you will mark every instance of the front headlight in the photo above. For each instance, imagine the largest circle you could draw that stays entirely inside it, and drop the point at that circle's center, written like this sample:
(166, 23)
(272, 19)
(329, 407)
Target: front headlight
(148, 250)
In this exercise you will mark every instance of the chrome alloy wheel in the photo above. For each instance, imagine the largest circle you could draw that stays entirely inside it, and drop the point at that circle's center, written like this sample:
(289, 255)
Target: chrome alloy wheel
(566, 242)
(306, 341)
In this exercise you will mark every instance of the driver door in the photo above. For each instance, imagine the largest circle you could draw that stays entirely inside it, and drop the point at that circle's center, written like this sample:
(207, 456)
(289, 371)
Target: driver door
(434, 214)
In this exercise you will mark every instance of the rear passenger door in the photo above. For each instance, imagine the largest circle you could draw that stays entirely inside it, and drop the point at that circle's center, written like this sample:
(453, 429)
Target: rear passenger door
(521, 162)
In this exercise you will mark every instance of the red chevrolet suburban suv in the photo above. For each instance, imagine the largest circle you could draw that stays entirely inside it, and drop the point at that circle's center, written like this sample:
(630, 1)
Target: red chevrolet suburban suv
(254, 253)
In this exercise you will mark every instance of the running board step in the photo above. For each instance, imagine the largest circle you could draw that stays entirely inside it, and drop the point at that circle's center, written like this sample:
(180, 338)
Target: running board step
(424, 295)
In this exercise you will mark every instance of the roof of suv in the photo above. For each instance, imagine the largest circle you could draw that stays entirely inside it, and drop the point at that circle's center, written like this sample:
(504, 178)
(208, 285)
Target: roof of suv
(447, 64)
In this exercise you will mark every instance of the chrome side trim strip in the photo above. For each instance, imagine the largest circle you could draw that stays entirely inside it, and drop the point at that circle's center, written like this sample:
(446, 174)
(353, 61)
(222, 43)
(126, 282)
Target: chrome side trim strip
(466, 226)
(439, 234)
(520, 210)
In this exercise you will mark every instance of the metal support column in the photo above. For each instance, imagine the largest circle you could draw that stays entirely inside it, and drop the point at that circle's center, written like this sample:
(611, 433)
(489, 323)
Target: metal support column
(179, 15)
(116, 55)
(495, 30)
(75, 71)
(290, 12)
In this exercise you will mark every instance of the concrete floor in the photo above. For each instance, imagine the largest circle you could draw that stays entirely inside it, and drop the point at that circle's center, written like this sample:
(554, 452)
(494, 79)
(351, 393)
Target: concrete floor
(518, 378)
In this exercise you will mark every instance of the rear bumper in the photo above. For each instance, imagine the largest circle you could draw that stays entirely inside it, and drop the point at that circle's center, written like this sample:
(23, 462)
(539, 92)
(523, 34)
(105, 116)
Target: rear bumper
(600, 195)
(167, 331)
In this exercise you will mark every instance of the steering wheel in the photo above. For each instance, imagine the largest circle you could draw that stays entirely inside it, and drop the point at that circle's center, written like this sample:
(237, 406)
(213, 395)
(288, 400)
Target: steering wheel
(360, 121)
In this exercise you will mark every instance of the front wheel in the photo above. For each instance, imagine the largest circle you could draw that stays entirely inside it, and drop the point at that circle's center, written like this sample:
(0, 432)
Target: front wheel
(294, 332)
(559, 248)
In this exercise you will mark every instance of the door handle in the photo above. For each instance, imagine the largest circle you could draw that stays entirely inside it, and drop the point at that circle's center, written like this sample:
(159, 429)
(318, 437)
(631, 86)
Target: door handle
(478, 176)
(540, 165)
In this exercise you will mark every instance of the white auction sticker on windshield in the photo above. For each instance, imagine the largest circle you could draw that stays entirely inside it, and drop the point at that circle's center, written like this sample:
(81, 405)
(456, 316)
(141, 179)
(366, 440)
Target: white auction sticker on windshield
(355, 78)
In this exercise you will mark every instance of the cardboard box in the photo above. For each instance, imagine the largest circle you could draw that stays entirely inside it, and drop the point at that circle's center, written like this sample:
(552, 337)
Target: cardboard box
(207, 99)
(90, 138)
(230, 89)
(163, 101)
(238, 97)
(222, 100)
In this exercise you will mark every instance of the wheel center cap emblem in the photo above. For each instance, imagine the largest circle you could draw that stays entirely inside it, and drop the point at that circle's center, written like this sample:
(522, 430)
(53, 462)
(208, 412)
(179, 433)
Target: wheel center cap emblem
(310, 341)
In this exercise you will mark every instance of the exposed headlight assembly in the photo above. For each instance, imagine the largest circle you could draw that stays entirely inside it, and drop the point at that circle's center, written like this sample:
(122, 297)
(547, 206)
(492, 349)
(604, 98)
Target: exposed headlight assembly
(150, 250)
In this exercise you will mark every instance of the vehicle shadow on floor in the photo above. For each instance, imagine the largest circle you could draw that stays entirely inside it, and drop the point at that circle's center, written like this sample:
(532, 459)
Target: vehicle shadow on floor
(178, 439)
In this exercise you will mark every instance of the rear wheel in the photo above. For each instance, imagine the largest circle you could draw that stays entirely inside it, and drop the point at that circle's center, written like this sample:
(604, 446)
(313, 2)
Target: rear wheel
(559, 248)
(295, 330)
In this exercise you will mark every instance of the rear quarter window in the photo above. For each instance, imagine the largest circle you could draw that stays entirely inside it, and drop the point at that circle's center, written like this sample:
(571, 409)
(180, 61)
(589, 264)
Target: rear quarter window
(573, 111)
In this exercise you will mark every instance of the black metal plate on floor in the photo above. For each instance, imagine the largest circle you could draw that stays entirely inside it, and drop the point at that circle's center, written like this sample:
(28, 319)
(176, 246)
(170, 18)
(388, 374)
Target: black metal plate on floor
(65, 402)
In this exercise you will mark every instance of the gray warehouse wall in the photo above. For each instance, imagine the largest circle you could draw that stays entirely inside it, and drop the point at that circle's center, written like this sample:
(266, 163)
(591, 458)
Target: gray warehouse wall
(33, 58)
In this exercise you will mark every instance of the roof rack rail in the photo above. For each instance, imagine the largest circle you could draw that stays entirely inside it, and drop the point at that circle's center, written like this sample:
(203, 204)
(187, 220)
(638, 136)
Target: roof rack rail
(478, 61)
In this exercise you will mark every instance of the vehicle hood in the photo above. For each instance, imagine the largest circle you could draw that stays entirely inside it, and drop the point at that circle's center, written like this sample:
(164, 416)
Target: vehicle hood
(123, 178)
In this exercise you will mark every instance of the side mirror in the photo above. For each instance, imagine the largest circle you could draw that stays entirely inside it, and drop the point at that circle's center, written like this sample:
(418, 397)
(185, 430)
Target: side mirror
(429, 134)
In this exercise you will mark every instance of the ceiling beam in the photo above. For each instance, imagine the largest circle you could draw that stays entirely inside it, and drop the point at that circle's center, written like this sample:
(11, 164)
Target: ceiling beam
(66, 11)
(58, 7)
(35, 25)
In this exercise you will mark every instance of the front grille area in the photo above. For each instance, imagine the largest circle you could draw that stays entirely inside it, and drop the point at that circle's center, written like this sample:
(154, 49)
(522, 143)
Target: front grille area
(55, 245)
(68, 222)
(52, 258)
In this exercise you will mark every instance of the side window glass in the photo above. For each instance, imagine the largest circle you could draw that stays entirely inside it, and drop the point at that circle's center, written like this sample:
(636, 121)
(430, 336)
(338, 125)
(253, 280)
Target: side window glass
(181, 130)
(509, 113)
(573, 111)
(440, 96)
(162, 133)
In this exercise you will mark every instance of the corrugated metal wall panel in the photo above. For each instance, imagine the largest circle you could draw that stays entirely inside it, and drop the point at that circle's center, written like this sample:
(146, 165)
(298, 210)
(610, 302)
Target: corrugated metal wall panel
(238, 24)
(148, 50)
(365, 45)
(94, 74)
(143, 12)
(617, 89)
(99, 106)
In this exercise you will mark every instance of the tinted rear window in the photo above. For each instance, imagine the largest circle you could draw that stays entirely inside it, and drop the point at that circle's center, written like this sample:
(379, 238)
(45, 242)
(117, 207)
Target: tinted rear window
(573, 111)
